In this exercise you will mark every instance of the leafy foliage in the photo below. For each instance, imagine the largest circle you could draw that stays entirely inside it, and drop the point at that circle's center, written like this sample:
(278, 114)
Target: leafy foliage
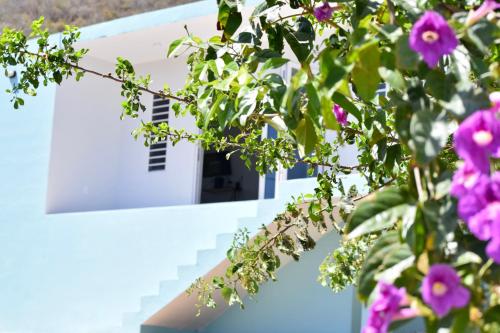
(408, 222)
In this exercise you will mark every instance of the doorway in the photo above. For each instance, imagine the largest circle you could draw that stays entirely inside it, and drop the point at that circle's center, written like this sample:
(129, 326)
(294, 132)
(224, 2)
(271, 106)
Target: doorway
(225, 179)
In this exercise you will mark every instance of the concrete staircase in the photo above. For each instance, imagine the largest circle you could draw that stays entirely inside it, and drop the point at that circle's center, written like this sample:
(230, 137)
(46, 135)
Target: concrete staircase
(186, 274)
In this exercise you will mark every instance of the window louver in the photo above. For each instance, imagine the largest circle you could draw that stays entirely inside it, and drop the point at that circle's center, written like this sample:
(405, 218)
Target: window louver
(158, 151)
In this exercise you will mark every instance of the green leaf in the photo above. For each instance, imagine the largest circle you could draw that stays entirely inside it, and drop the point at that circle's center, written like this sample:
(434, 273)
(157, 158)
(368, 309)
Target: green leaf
(57, 76)
(365, 73)
(492, 315)
(247, 100)
(273, 63)
(329, 119)
(393, 157)
(233, 23)
(406, 58)
(275, 38)
(175, 45)
(461, 322)
(402, 117)
(313, 104)
(468, 258)
(315, 211)
(395, 263)
(331, 72)
(347, 105)
(414, 232)
(300, 38)
(439, 85)
(277, 88)
(385, 252)
(306, 136)
(411, 7)
(467, 101)
(295, 99)
(215, 109)
(482, 35)
(393, 78)
(226, 114)
(226, 293)
(378, 212)
(441, 220)
(428, 135)
(235, 299)
(204, 99)
(229, 18)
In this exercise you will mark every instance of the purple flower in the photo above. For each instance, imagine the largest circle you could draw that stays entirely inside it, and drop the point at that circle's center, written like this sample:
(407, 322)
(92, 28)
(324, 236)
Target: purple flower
(432, 37)
(475, 199)
(477, 138)
(323, 12)
(480, 208)
(495, 184)
(340, 114)
(481, 224)
(465, 179)
(495, 102)
(442, 290)
(483, 10)
(493, 247)
(384, 308)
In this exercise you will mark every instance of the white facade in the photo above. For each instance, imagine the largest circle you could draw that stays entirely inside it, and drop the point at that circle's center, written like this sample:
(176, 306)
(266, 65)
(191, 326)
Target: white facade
(96, 163)
(106, 267)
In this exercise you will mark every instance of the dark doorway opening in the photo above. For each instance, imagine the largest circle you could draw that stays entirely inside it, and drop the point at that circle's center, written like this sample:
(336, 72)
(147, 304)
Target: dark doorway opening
(227, 179)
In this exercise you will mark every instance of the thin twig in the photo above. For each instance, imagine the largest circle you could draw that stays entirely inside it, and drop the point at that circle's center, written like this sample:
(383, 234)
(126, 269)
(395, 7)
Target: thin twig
(392, 11)
(110, 76)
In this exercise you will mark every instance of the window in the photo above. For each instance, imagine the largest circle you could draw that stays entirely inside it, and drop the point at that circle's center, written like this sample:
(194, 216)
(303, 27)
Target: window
(158, 151)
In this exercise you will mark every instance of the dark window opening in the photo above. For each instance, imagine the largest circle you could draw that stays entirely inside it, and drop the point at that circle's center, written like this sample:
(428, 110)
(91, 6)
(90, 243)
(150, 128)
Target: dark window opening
(227, 179)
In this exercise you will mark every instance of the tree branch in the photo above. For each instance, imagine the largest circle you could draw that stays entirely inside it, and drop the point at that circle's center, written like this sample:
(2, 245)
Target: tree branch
(110, 76)
(392, 11)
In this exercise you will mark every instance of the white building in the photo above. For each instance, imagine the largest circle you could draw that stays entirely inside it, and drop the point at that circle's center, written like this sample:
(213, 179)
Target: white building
(100, 234)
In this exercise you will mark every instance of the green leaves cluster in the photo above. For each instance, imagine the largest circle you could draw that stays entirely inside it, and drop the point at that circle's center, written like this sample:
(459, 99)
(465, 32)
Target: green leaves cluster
(39, 63)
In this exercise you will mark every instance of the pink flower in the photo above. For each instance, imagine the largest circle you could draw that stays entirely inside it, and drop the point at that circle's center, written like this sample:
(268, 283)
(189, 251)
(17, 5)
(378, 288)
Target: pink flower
(481, 224)
(385, 308)
(478, 138)
(479, 207)
(323, 12)
(483, 10)
(442, 290)
(340, 114)
(465, 179)
(432, 37)
(493, 247)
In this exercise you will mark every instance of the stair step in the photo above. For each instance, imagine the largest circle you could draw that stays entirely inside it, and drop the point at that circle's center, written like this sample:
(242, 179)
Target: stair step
(131, 322)
(206, 259)
(173, 287)
(151, 304)
(224, 240)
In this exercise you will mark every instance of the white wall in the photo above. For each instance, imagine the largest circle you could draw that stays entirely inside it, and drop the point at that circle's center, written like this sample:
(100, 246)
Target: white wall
(84, 150)
(176, 184)
(96, 164)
